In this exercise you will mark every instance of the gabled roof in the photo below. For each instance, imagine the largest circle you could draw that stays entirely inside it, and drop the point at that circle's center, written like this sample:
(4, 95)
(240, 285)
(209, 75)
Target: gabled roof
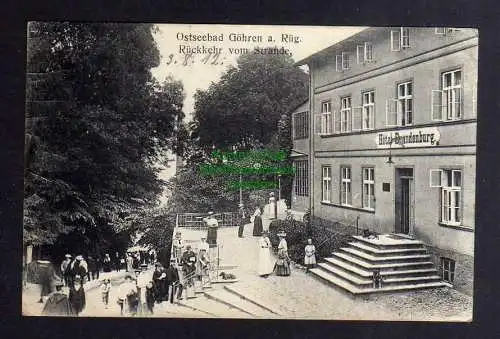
(330, 49)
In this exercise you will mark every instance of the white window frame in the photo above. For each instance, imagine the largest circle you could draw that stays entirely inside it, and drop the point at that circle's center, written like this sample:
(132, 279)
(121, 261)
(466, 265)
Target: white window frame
(326, 183)
(448, 267)
(368, 176)
(301, 180)
(346, 114)
(326, 117)
(364, 53)
(346, 186)
(449, 206)
(368, 107)
(405, 99)
(454, 109)
(342, 62)
(400, 39)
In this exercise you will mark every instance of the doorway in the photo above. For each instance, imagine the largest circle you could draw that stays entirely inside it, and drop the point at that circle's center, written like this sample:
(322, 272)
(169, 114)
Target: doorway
(404, 201)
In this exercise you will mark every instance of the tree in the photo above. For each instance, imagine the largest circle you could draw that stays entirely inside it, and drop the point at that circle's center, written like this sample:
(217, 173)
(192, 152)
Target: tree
(248, 101)
(97, 124)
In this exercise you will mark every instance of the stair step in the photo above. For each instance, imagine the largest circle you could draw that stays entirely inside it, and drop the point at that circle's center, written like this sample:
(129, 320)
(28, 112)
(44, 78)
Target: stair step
(235, 301)
(368, 274)
(212, 308)
(385, 241)
(355, 290)
(348, 267)
(344, 275)
(427, 277)
(379, 266)
(369, 257)
(391, 251)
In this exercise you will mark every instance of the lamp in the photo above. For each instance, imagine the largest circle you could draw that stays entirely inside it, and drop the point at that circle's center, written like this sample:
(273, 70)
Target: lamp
(389, 160)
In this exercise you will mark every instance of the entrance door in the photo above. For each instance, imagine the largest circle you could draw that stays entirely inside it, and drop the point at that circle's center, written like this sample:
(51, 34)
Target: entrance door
(404, 200)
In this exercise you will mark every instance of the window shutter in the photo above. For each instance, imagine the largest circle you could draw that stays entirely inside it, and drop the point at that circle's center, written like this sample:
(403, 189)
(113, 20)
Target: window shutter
(357, 118)
(437, 105)
(391, 112)
(336, 121)
(435, 178)
(360, 53)
(338, 63)
(317, 124)
(395, 40)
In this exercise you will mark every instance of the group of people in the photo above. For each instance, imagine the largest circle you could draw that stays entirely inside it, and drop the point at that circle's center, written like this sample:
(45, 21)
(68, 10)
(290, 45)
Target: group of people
(266, 263)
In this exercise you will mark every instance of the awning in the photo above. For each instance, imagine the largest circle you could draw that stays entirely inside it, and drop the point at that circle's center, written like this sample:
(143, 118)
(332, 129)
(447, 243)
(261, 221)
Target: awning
(295, 154)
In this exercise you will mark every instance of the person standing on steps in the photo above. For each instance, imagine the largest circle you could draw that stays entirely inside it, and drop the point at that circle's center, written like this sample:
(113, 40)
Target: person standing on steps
(266, 264)
(257, 223)
(310, 255)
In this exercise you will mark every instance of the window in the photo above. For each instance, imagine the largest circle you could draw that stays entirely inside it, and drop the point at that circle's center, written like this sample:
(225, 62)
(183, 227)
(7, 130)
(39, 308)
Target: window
(368, 115)
(345, 114)
(301, 125)
(445, 30)
(364, 53)
(400, 39)
(327, 183)
(345, 189)
(448, 269)
(447, 103)
(342, 62)
(326, 117)
(301, 178)
(369, 188)
(399, 112)
(450, 182)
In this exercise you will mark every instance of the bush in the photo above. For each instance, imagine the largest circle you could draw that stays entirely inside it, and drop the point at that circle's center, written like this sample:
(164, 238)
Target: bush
(330, 239)
(296, 237)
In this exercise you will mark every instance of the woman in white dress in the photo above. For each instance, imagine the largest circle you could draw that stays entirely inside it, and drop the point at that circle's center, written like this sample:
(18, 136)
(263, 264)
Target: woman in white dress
(266, 264)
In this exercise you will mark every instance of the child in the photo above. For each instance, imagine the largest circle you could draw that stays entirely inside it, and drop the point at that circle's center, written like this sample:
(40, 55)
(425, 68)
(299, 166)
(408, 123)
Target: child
(105, 288)
(150, 297)
(377, 279)
(310, 255)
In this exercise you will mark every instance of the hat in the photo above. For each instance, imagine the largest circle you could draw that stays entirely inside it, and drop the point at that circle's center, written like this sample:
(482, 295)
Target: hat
(281, 234)
(79, 257)
(68, 255)
(210, 213)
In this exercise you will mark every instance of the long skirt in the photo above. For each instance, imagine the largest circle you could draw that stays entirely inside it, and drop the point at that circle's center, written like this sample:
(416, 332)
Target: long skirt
(265, 262)
(257, 226)
(212, 236)
(283, 264)
(310, 260)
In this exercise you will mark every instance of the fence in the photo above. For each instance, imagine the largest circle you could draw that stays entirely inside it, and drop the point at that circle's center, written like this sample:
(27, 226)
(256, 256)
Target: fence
(195, 220)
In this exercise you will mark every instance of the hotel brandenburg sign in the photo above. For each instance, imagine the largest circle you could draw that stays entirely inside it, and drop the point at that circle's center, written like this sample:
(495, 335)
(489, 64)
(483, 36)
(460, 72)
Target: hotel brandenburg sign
(415, 137)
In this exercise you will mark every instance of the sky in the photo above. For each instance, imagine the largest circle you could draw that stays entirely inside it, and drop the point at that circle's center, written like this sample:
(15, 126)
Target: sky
(199, 70)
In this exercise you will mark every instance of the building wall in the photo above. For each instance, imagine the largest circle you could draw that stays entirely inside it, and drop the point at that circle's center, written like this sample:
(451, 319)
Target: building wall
(300, 203)
(429, 56)
(422, 40)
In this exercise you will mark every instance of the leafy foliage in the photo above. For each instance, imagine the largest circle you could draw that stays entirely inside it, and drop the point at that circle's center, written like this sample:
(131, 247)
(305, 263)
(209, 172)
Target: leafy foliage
(248, 101)
(97, 123)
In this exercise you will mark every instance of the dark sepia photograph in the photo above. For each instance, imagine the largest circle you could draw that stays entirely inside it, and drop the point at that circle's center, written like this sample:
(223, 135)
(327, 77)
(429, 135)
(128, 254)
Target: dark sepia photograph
(249, 171)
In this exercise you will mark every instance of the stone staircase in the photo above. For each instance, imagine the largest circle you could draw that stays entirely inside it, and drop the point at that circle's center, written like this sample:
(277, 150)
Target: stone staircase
(403, 263)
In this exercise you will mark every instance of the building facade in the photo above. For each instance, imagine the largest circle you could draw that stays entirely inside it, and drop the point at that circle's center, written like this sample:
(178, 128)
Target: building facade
(393, 139)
